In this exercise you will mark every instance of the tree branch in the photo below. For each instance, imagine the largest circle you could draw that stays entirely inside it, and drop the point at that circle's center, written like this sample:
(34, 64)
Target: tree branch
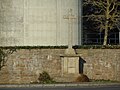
(113, 7)
(100, 4)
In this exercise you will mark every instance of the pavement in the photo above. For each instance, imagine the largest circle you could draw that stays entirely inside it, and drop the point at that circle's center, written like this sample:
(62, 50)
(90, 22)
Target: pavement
(60, 85)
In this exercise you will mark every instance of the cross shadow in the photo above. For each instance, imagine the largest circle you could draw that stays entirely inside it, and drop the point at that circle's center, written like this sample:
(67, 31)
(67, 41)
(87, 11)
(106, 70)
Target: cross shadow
(81, 65)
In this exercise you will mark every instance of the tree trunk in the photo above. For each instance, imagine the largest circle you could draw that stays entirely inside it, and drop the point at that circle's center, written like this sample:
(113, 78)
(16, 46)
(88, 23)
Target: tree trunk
(105, 36)
(106, 23)
(106, 30)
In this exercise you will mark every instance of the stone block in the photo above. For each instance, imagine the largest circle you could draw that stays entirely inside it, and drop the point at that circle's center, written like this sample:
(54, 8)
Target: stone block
(70, 64)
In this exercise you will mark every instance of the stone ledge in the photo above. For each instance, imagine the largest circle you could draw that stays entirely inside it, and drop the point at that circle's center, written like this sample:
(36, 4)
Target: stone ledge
(69, 55)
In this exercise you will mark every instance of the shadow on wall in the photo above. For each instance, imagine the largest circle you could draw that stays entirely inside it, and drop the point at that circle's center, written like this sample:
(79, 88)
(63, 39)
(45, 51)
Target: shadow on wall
(81, 65)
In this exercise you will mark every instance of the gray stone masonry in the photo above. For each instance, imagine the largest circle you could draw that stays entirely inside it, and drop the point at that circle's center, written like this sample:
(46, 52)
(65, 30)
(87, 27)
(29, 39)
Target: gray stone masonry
(24, 66)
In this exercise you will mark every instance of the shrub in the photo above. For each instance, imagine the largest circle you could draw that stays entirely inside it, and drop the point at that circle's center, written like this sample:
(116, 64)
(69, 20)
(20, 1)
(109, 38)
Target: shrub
(3, 55)
(82, 78)
(2, 58)
(45, 78)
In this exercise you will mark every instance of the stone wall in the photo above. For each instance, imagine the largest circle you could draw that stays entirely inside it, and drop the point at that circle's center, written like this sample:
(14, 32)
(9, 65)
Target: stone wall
(101, 63)
(24, 65)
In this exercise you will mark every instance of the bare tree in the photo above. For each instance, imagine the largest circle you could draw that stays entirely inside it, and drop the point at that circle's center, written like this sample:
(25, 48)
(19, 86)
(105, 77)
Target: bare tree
(106, 14)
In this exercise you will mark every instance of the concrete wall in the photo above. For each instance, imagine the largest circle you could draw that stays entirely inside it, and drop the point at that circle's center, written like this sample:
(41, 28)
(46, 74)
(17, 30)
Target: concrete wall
(24, 66)
(36, 22)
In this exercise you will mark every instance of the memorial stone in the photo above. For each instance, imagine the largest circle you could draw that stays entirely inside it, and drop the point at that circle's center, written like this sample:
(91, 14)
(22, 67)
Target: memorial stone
(70, 61)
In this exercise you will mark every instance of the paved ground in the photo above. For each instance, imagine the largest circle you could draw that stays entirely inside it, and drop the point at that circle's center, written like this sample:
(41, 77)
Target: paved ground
(65, 88)
(90, 86)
